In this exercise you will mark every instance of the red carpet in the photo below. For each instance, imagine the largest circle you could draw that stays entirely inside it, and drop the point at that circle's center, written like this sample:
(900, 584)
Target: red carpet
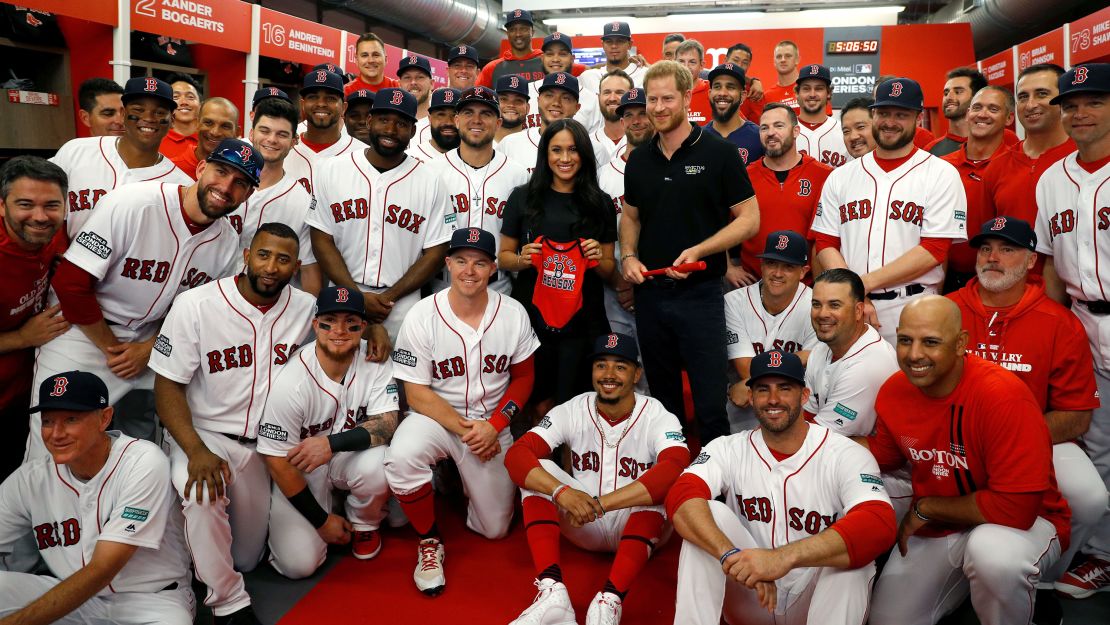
(488, 582)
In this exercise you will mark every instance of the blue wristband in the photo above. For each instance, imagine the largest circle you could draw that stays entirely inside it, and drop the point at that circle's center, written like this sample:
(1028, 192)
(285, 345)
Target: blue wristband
(728, 553)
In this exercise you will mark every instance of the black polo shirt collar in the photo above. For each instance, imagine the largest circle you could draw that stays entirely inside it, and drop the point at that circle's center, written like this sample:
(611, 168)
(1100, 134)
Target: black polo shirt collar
(691, 139)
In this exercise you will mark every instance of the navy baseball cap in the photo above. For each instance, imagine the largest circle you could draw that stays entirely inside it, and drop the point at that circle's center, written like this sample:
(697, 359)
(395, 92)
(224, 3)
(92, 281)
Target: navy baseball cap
(240, 155)
(480, 95)
(475, 239)
(557, 37)
(414, 61)
(513, 83)
(329, 67)
(518, 15)
(560, 80)
(72, 390)
(814, 71)
(263, 93)
(394, 100)
(1088, 78)
(322, 79)
(901, 92)
(786, 246)
(614, 30)
(462, 52)
(444, 98)
(614, 344)
(635, 96)
(728, 69)
(358, 96)
(334, 299)
(777, 362)
(144, 87)
(1012, 229)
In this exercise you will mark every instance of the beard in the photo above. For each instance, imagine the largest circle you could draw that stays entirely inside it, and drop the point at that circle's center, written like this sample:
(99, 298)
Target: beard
(512, 123)
(635, 141)
(670, 124)
(321, 125)
(209, 211)
(724, 117)
(610, 116)
(257, 287)
(787, 145)
(898, 143)
(477, 142)
(376, 143)
(791, 417)
(444, 141)
(995, 283)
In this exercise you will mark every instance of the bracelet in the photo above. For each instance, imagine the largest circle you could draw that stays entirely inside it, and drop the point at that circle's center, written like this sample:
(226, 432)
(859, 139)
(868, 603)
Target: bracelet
(603, 510)
(917, 512)
(558, 491)
(728, 553)
(624, 256)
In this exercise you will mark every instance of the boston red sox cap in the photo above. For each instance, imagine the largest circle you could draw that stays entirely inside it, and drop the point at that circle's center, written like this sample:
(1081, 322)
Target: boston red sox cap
(360, 96)
(329, 67)
(414, 61)
(614, 344)
(322, 79)
(263, 93)
(777, 362)
(444, 98)
(513, 83)
(518, 15)
(557, 37)
(615, 30)
(462, 52)
(814, 71)
(143, 87)
(334, 299)
(560, 80)
(474, 239)
(728, 69)
(72, 390)
(786, 246)
(901, 92)
(240, 155)
(1088, 78)
(633, 97)
(480, 95)
(1012, 229)
(394, 100)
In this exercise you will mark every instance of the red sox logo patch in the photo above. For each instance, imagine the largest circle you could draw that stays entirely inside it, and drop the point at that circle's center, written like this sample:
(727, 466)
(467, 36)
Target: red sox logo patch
(321, 76)
(559, 272)
(473, 235)
(448, 96)
(560, 78)
(896, 90)
(556, 36)
(1080, 76)
(743, 154)
(612, 342)
(342, 295)
(516, 13)
(397, 98)
(245, 153)
(151, 85)
(729, 67)
(615, 27)
(784, 241)
(60, 384)
(514, 82)
(462, 50)
(273, 91)
(412, 60)
(633, 94)
(805, 187)
(999, 223)
(362, 93)
(813, 70)
(776, 359)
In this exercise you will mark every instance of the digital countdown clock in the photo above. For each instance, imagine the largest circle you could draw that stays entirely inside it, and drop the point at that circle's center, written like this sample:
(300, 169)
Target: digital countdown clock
(852, 46)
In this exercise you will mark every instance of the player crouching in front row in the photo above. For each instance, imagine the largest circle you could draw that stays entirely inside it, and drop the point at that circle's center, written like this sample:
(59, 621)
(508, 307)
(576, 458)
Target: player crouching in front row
(789, 483)
(623, 511)
(330, 407)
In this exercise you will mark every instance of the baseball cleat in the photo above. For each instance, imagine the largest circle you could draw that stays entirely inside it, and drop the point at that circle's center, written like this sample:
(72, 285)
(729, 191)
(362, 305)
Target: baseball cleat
(366, 545)
(550, 607)
(1086, 579)
(429, 576)
(605, 609)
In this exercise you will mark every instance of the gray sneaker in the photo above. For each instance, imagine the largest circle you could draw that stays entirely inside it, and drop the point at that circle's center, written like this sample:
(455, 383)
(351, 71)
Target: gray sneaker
(429, 567)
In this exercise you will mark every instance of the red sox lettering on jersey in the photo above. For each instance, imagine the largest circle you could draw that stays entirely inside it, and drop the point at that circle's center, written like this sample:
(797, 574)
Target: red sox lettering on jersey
(57, 534)
(824, 143)
(751, 329)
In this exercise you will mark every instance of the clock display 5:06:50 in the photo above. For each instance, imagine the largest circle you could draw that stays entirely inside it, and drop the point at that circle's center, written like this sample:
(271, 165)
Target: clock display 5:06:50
(853, 46)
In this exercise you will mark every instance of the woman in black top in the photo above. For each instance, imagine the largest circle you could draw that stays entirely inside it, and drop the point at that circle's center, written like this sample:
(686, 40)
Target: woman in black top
(563, 203)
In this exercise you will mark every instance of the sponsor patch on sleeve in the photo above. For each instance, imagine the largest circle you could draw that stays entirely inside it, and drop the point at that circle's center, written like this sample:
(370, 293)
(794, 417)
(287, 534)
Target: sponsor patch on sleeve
(135, 514)
(701, 459)
(867, 478)
(675, 436)
(510, 409)
(449, 219)
(845, 412)
(95, 244)
(961, 216)
(273, 432)
(733, 338)
(404, 357)
(162, 345)
(544, 423)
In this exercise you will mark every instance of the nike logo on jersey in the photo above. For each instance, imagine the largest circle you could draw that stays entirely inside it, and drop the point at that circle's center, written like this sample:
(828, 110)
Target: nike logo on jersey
(64, 534)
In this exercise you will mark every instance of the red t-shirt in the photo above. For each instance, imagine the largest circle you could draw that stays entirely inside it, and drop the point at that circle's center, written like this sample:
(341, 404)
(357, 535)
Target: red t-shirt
(359, 83)
(187, 162)
(560, 274)
(922, 137)
(987, 434)
(174, 143)
(787, 95)
(783, 206)
(961, 257)
(1010, 183)
(1039, 340)
(701, 112)
(22, 295)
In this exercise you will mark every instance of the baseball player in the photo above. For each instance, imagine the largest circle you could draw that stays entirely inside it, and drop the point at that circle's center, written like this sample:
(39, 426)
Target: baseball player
(100, 108)
(626, 451)
(331, 409)
(323, 106)
(726, 95)
(212, 385)
(414, 74)
(557, 57)
(356, 119)
(616, 41)
(95, 165)
(371, 55)
(1010, 321)
(855, 126)
(121, 560)
(334, 69)
(1069, 231)
(477, 178)
(962, 83)
(462, 67)
(803, 517)
(219, 120)
(610, 135)
(379, 224)
(986, 517)
(770, 314)
(512, 96)
(892, 215)
(465, 356)
(439, 134)
(820, 136)
(279, 196)
(145, 244)
(555, 99)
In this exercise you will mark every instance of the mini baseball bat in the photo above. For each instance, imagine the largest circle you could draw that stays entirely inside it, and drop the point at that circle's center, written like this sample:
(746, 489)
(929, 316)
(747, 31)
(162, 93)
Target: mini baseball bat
(683, 268)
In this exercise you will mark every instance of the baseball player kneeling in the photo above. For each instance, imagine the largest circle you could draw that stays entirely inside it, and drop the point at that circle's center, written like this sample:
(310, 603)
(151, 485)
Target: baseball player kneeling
(626, 451)
(804, 517)
(101, 509)
(332, 409)
(465, 356)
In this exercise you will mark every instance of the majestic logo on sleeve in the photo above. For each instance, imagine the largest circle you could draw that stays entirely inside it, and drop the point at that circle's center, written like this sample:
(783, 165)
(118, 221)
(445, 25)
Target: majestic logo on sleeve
(560, 272)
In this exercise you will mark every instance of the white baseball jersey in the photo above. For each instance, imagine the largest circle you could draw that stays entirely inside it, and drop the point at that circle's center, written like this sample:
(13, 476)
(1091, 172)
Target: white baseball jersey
(306, 402)
(425, 151)
(381, 221)
(468, 368)
(752, 330)
(589, 114)
(523, 147)
(606, 145)
(606, 457)
(129, 501)
(229, 366)
(879, 215)
(422, 131)
(1071, 220)
(477, 196)
(825, 143)
(842, 393)
(302, 160)
(94, 167)
(137, 245)
(287, 202)
(591, 78)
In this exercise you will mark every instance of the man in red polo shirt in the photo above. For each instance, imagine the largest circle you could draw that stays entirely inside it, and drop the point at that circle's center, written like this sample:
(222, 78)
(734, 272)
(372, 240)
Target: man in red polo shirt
(371, 58)
(219, 120)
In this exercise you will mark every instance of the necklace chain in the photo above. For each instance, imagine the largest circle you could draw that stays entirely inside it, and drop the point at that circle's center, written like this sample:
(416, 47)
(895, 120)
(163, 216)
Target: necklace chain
(601, 428)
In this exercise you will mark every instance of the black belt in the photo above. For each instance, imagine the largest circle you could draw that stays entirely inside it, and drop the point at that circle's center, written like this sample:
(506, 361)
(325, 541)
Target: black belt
(910, 290)
(1097, 308)
(243, 440)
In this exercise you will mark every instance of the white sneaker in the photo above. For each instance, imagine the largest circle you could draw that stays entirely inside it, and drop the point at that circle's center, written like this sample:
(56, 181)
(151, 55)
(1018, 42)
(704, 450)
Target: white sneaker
(550, 607)
(429, 576)
(605, 609)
